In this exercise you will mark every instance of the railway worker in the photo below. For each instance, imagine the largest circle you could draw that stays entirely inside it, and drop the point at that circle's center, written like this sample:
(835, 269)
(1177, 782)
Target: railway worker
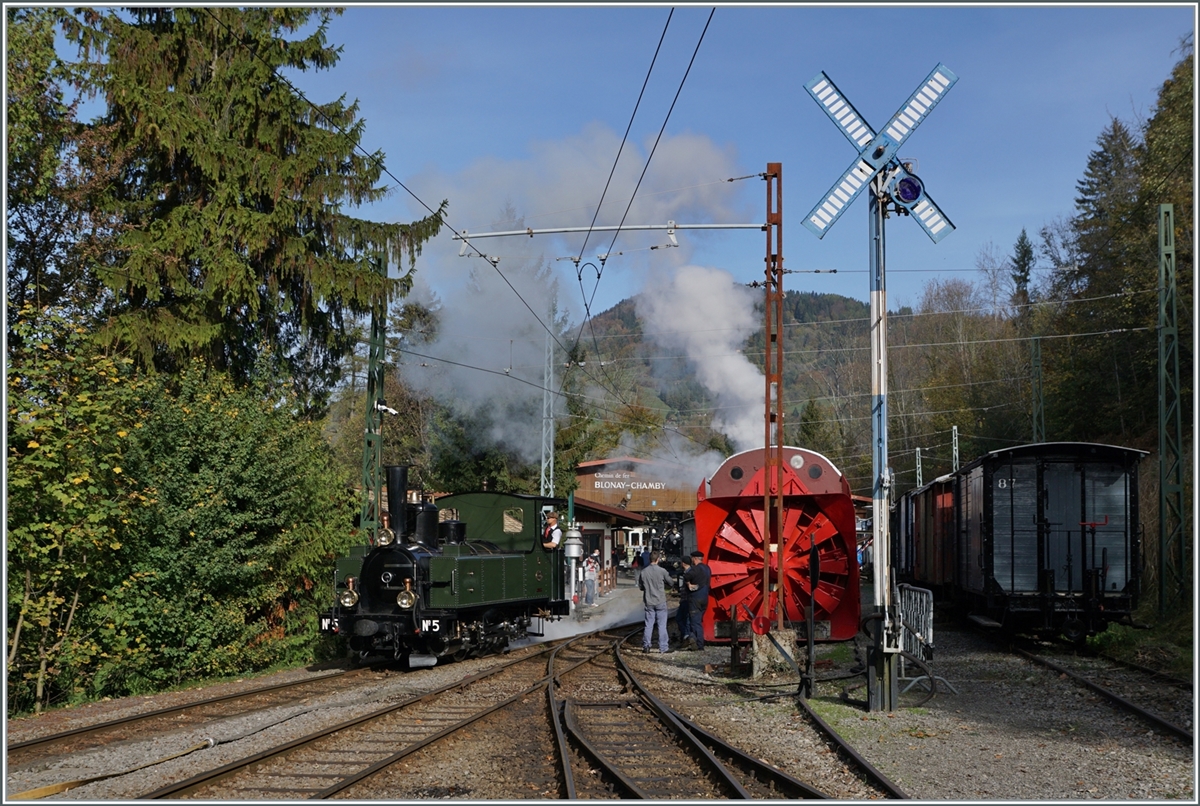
(591, 573)
(653, 584)
(696, 581)
(552, 536)
(683, 614)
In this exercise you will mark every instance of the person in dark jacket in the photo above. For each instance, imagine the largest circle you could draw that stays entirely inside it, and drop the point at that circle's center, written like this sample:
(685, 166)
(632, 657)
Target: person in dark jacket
(696, 580)
(683, 615)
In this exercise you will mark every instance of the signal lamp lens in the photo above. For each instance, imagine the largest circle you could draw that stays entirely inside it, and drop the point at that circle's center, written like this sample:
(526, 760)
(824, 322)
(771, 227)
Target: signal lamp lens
(406, 599)
(386, 536)
(348, 598)
(908, 190)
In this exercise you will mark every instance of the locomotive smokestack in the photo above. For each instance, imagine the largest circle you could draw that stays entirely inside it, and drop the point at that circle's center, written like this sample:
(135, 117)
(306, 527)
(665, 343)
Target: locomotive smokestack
(397, 498)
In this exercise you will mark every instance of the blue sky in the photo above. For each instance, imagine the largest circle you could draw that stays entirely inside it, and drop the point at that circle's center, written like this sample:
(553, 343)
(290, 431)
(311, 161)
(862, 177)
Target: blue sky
(525, 106)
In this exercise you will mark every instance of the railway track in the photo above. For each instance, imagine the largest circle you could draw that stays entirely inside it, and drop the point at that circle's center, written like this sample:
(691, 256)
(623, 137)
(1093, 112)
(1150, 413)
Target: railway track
(729, 770)
(333, 759)
(644, 749)
(583, 732)
(42, 749)
(1165, 704)
(569, 720)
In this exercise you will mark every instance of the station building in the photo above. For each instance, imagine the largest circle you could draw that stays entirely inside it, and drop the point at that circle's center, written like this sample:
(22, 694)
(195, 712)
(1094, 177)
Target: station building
(661, 493)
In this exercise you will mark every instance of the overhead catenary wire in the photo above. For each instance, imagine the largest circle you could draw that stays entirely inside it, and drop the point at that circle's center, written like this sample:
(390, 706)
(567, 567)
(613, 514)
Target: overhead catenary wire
(625, 137)
(604, 193)
(546, 326)
(587, 303)
(657, 140)
(384, 169)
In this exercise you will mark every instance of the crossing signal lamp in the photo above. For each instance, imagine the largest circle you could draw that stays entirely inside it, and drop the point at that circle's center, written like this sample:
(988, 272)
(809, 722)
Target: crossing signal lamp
(906, 189)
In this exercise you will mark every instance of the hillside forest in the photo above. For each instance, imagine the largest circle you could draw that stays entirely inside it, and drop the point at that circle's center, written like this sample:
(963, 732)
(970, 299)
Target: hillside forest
(188, 304)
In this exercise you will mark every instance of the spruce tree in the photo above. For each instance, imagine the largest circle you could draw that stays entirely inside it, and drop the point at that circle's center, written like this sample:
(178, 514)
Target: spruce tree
(1022, 263)
(232, 233)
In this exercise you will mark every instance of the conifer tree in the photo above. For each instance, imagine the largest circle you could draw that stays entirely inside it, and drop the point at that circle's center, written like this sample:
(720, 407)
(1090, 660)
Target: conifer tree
(1022, 263)
(231, 198)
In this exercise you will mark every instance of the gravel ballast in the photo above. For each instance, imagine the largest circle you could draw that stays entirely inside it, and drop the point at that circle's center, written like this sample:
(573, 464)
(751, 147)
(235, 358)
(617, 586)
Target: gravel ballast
(1014, 731)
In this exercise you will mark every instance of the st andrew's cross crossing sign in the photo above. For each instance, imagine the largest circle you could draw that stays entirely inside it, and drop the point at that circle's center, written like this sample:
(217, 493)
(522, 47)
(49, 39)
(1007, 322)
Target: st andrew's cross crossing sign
(877, 154)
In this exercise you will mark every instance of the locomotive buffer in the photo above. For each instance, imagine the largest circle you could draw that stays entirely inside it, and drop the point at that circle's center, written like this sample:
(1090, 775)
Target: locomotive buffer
(891, 182)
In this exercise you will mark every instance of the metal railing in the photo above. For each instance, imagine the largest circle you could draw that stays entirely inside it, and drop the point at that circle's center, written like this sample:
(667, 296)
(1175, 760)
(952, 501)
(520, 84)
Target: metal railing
(916, 635)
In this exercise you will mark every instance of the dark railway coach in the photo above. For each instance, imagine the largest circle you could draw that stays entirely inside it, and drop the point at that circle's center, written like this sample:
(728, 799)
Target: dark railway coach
(458, 580)
(1041, 538)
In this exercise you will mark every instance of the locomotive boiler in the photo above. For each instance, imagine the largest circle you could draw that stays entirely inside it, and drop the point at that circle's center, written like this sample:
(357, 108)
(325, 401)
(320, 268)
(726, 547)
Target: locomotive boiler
(458, 580)
(1042, 537)
(817, 511)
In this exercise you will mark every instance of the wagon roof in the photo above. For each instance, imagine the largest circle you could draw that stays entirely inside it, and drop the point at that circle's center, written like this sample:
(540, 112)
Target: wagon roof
(1066, 447)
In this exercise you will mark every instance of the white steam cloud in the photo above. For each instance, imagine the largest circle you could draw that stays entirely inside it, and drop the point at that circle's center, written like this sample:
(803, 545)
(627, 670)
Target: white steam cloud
(559, 184)
(489, 355)
(704, 313)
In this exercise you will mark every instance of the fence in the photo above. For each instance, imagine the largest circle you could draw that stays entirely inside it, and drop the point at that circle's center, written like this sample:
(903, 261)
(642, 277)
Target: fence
(916, 635)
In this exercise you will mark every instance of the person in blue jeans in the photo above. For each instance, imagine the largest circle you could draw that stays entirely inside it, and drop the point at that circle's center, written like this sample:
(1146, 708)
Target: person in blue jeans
(696, 580)
(653, 584)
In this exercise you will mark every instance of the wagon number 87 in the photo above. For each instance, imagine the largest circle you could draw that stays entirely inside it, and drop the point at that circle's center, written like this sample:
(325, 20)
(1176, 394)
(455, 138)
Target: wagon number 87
(1004, 484)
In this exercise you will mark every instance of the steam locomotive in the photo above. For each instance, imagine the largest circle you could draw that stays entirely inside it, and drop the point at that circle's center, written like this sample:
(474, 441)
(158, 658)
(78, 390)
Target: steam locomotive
(1038, 538)
(458, 580)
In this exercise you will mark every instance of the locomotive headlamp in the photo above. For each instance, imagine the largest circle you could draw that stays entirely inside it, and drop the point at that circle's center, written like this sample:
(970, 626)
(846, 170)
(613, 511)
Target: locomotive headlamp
(406, 599)
(348, 598)
(386, 536)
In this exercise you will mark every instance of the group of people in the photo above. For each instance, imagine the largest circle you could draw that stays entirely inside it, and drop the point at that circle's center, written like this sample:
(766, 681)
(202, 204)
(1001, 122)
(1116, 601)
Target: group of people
(652, 580)
(693, 601)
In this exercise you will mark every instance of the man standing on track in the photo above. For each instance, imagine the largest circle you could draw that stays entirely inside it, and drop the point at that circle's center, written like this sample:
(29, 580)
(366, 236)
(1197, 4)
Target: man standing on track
(653, 584)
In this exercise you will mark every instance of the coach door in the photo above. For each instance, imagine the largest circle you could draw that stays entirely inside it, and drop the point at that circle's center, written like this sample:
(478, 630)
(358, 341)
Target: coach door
(1105, 524)
(1015, 525)
(1062, 498)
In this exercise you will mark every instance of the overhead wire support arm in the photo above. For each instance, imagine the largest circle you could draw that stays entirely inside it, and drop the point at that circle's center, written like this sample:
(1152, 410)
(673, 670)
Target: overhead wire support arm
(669, 227)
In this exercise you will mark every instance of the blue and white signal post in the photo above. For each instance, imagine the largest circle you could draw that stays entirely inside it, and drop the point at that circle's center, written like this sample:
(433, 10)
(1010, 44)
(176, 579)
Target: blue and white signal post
(893, 188)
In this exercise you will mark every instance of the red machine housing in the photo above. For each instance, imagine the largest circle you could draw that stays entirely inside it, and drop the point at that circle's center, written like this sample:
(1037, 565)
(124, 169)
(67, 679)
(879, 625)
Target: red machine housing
(817, 508)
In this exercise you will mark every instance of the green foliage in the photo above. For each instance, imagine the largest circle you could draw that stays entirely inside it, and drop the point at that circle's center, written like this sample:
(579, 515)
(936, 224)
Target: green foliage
(73, 412)
(1167, 177)
(813, 428)
(159, 529)
(1168, 644)
(1022, 262)
(51, 173)
(231, 191)
(466, 460)
(1104, 386)
(250, 512)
